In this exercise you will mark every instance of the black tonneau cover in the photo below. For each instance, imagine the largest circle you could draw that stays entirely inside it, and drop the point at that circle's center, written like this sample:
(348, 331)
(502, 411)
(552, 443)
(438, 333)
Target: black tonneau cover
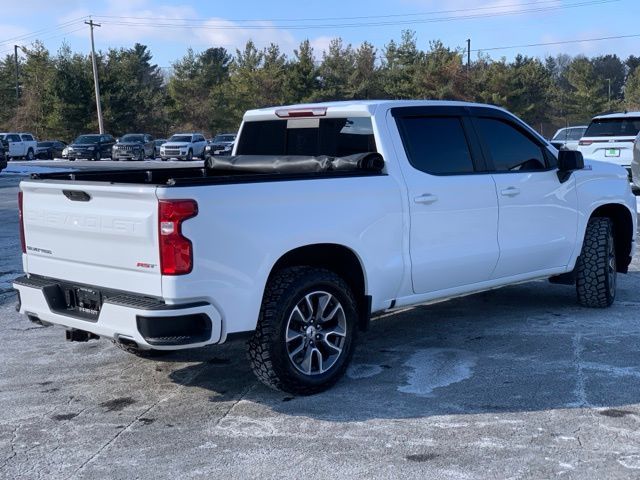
(238, 169)
(369, 161)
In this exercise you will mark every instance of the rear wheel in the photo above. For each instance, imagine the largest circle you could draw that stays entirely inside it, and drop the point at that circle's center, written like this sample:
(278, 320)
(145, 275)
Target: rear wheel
(30, 155)
(306, 331)
(596, 268)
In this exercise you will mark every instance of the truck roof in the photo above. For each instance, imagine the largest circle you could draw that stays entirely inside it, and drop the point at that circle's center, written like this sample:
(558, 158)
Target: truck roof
(617, 115)
(356, 107)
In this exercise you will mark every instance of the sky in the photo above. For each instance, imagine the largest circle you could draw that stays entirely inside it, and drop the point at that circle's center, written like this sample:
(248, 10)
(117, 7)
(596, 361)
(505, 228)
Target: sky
(170, 27)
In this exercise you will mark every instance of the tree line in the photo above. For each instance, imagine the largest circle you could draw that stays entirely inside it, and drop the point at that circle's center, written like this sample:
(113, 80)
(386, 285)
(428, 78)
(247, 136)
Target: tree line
(209, 91)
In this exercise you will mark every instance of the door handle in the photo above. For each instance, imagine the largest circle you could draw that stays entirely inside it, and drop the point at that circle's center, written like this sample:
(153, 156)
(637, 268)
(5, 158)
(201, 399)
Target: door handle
(510, 192)
(426, 199)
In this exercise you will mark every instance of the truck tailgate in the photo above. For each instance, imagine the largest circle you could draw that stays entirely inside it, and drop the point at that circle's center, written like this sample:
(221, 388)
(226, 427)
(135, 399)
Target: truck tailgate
(94, 234)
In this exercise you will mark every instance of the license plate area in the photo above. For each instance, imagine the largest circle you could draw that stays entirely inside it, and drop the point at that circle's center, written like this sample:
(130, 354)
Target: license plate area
(74, 301)
(83, 300)
(612, 152)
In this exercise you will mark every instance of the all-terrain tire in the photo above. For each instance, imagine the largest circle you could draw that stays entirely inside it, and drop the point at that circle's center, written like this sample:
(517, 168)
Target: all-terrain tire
(596, 265)
(30, 155)
(268, 352)
(139, 352)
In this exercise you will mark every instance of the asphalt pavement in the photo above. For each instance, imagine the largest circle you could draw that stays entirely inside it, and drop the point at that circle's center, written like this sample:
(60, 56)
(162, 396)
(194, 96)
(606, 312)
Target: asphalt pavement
(517, 383)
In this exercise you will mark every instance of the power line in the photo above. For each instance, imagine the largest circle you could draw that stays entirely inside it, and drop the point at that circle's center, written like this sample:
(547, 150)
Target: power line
(361, 17)
(43, 30)
(50, 37)
(563, 42)
(225, 26)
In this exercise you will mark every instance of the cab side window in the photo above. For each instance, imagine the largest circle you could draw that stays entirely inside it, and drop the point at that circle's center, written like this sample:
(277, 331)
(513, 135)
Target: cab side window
(27, 138)
(509, 148)
(436, 145)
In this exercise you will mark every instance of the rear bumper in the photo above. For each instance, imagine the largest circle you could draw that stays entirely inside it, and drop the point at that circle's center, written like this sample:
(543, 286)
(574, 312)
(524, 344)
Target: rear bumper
(149, 322)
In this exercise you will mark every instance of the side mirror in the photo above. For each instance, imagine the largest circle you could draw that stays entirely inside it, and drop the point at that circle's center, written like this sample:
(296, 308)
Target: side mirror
(568, 162)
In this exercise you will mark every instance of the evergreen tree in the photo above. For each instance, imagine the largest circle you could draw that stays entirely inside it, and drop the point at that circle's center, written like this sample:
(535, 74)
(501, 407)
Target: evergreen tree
(337, 65)
(301, 77)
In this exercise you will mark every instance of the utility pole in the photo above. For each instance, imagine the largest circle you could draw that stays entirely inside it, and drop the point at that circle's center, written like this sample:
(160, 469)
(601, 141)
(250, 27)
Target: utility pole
(15, 57)
(95, 75)
(468, 53)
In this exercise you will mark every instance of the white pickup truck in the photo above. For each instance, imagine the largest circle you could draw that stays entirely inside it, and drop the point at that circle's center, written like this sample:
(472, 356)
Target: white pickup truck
(279, 242)
(20, 145)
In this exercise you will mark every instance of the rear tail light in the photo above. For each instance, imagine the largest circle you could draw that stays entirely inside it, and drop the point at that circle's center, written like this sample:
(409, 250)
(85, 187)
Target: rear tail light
(176, 251)
(21, 218)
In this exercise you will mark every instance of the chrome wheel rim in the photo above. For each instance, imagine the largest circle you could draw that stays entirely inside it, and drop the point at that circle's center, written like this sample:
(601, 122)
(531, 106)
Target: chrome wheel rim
(611, 265)
(316, 333)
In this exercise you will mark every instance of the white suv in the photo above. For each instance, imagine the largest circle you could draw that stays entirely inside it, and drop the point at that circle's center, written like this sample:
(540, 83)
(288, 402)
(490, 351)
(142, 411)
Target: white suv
(184, 146)
(20, 145)
(609, 138)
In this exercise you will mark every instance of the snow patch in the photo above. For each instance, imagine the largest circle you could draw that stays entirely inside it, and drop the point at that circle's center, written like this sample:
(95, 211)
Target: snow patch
(435, 368)
(630, 461)
(363, 370)
(18, 169)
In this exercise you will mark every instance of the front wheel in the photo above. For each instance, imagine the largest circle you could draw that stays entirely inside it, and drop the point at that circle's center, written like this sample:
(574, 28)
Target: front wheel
(189, 155)
(30, 155)
(306, 331)
(596, 267)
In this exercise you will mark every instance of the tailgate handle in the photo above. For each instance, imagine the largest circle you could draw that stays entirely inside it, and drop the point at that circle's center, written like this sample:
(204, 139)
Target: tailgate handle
(77, 195)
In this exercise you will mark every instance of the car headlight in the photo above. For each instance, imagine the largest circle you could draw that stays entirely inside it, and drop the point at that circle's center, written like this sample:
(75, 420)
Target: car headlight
(207, 148)
(91, 148)
(228, 147)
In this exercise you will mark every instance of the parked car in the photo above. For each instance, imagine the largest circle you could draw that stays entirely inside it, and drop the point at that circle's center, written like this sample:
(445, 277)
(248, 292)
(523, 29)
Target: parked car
(158, 143)
(221, 144)
(610, 138)
(184, 146)
(568, 137)
(20, 144)
(4, 157)
(134, 146)
(303, 234)
(50, 149)
(635, 165)
(92, 146)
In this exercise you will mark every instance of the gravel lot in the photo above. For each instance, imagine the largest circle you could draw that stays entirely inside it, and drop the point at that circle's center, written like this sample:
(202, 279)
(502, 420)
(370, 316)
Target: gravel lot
(518, 383)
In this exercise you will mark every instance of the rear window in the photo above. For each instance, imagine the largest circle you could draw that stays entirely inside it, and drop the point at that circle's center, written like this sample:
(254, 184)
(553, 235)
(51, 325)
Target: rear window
(570, 134)
(335, 137)
(614, 127)
(436, 145)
